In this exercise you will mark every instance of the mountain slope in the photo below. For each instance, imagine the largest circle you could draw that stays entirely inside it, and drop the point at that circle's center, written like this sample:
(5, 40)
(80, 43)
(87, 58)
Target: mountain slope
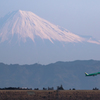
(26, 24)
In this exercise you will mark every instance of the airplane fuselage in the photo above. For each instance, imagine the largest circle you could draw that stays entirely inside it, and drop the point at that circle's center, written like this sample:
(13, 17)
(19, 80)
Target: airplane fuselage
(93, 74)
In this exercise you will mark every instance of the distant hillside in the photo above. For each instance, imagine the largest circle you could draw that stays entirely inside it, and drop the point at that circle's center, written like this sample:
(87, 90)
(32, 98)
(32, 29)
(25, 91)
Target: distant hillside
(69, 74)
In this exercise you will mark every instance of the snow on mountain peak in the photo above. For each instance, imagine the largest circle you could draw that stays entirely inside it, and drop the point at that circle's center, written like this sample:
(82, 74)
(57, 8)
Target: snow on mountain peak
(26, 24)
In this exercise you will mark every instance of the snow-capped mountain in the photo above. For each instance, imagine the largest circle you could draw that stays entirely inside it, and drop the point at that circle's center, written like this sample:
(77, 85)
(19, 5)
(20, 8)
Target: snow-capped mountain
(26, 38)
(25, 24)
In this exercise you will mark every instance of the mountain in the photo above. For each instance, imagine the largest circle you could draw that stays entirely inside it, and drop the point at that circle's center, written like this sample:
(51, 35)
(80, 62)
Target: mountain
(26, 24)
(69, 74)
(26, 38)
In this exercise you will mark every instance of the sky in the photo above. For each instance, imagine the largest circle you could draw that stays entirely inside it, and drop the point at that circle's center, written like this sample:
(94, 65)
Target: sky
(81, 17)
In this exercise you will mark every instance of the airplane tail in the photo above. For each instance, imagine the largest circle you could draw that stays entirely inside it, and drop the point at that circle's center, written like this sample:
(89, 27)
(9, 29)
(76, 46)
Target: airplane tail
(86, 74)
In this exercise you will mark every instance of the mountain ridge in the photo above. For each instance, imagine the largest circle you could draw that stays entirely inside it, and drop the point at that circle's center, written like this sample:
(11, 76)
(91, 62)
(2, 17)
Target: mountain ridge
(71, 74)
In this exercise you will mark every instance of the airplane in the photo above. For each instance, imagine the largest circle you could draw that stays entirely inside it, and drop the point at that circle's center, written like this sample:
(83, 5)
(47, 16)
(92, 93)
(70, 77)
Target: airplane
(92, 74)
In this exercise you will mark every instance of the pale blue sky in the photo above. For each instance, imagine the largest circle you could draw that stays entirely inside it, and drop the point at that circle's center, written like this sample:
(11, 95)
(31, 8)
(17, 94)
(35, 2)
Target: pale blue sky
(79, 16)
